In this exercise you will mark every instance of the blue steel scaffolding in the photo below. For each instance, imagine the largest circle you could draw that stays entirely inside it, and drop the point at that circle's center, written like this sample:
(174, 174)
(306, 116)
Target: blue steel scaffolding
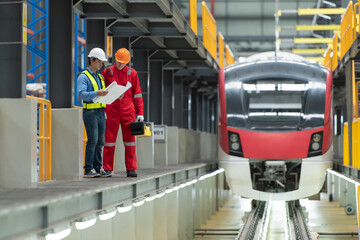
(38, 43)
(80, 48)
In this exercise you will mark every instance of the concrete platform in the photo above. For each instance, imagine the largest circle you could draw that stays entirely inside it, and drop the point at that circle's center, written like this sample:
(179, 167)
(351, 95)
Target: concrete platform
(51, 203)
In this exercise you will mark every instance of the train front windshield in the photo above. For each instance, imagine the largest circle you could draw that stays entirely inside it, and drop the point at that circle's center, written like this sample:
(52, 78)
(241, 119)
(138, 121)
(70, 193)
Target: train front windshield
(276, 104)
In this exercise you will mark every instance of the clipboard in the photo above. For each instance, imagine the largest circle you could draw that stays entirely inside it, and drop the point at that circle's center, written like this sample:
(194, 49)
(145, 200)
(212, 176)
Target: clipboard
(114, 92)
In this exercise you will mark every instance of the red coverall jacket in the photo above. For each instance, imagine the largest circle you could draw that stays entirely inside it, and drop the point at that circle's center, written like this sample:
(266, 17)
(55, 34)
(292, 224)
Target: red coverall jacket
(122, 111)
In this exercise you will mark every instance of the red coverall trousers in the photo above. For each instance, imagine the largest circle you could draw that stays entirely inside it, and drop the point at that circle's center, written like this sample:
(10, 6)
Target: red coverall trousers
(117, 114)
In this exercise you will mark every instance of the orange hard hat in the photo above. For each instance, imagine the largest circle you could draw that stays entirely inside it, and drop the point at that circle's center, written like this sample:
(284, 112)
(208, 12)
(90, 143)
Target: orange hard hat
(122, 55)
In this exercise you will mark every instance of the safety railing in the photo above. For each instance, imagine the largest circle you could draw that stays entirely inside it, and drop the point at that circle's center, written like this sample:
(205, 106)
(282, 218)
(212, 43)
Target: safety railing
(327, 58)
(221, 50)
(193, 15)
(346, 33)
(335, 53)
(356, 20)
(229, 56)
(44, 138)
(209, 31)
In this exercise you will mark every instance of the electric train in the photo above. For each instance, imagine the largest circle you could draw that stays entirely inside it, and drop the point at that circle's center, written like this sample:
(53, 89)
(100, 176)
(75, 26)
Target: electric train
(275, 126)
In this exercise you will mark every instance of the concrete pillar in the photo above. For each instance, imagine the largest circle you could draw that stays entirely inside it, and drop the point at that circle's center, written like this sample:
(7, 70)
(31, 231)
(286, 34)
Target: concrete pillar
(161, 145)
(350, 205)
(182, 214)
(67, 144)
(101, 230)
(196, 146)
(342, 192)
(336, 187)
(182, 145)
(160, 218)
(173, 145)
(172, 216)
(61, 46)
(189, 212)
(124, 225)
(145, 151)
(145, 221)
(190, 145)
(18, 136)
(330, 186)
(205, 146)
(13, 48)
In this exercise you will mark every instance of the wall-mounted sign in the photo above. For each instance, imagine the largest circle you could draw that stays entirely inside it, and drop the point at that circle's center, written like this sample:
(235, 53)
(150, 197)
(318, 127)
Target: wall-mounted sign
(159, 133)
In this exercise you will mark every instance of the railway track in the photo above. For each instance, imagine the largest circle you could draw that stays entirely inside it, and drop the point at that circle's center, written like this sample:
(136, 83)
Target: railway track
(275, 220)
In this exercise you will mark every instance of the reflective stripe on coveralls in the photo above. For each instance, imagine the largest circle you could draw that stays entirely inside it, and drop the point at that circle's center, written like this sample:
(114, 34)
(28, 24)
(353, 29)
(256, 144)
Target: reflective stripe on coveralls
(96, 88)
(137, 95)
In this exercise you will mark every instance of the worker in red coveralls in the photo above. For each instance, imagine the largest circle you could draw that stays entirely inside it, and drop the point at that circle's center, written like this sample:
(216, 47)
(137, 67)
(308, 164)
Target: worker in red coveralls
(128, 108)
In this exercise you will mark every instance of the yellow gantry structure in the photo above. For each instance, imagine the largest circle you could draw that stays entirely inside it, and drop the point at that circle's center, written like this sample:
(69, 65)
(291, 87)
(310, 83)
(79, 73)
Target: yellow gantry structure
(314, 11)
(313, 40)
(309, 51)
(317, 27)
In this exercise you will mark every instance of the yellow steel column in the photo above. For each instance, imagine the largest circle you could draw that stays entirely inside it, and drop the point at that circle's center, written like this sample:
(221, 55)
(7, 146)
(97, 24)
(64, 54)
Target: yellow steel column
(346, 160)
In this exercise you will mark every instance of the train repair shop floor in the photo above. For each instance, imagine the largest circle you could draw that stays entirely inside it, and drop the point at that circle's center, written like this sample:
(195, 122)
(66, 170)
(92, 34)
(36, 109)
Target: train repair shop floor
(324, 217)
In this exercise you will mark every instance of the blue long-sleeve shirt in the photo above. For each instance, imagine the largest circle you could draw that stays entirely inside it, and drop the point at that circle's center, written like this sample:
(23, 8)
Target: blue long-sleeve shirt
(85, 90)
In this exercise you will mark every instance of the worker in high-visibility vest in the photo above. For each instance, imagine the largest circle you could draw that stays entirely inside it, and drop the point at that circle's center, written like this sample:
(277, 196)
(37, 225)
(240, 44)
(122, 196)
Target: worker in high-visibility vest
(128, 108)
(90, 85)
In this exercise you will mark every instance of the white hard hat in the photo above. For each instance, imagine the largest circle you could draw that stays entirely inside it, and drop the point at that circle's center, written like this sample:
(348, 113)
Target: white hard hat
(97, 53)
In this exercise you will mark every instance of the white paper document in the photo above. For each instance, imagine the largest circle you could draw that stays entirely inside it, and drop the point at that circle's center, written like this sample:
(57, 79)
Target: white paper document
(115, 91)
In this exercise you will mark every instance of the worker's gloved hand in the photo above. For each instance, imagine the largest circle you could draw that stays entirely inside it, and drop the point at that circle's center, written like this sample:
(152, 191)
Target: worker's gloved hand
(140, 118)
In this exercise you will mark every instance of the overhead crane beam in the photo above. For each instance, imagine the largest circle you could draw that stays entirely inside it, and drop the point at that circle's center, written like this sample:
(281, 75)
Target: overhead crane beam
(119, 6)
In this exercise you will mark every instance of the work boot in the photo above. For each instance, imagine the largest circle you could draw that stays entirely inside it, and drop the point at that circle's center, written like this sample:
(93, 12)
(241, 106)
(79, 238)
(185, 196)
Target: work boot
(104, 173)
(131, 173)
(91, 174)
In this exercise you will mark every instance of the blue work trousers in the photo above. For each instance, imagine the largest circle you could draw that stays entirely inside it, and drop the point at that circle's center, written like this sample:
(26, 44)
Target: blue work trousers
(94, 120)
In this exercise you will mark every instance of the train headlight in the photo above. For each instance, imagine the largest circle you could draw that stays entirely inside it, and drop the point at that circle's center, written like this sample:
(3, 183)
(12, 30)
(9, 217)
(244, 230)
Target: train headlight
(234, 138)
(316, 137)
(315, 147)
(235, 144)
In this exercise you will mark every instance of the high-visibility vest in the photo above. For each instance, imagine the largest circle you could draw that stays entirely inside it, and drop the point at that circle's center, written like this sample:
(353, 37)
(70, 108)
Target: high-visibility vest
(96, 88)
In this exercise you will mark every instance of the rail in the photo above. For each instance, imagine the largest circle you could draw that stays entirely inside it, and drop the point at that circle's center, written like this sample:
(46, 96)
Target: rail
(44, 138)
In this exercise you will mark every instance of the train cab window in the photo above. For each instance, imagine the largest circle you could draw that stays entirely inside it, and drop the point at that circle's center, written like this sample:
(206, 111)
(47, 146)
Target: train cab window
(276, 104)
